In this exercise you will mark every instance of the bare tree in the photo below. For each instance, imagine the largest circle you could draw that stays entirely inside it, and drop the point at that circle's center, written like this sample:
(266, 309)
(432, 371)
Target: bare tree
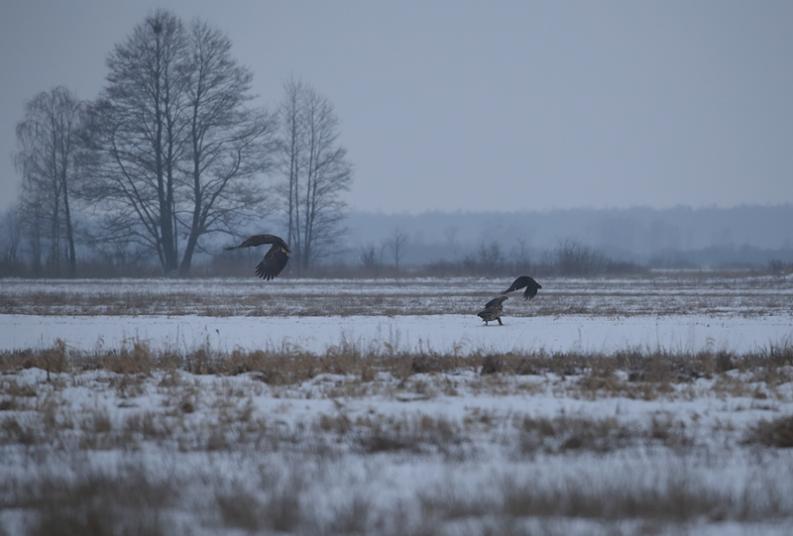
(291, 147)
(396, 244)
(47, 148)
(316, 172)
(520, 252)
(32, 202)
(136, 135)
(230, 144)
(10, 237)
(574, 258)
(370, 261)
(175, 151)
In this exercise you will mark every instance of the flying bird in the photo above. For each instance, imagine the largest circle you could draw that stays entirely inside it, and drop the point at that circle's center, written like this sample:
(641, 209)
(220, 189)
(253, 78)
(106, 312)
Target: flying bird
(274, 260)
(525, 281)
(493, 310)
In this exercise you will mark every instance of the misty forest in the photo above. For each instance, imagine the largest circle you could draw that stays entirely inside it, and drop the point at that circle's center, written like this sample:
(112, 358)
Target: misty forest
(431, 268)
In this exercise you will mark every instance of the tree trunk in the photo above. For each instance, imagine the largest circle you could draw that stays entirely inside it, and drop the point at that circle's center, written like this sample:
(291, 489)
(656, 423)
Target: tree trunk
(66, 157)
(187, 257)
(69, 232)
(195, 226)
(35, 242)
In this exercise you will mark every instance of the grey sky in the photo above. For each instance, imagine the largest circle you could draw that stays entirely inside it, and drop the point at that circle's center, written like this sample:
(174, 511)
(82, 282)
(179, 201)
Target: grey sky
(484, 105)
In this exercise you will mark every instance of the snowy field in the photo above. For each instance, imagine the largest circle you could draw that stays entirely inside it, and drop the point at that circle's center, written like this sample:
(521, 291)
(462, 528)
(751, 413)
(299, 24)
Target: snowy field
(659, 405)
(442, 334)
(661, 294)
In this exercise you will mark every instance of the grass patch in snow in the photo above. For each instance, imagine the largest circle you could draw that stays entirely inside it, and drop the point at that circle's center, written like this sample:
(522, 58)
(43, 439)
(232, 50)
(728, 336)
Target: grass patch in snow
(776, 433)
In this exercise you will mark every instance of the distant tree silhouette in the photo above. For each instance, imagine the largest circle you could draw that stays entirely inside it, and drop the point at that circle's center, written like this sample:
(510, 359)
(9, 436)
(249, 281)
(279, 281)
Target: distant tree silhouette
(396, 245)
(176, 152)
(46, 159)
(316, 172)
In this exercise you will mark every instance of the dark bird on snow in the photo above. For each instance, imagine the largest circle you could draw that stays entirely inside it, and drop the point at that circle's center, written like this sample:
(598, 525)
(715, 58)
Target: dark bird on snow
(493, 310)
(274, 260)
(525, 281)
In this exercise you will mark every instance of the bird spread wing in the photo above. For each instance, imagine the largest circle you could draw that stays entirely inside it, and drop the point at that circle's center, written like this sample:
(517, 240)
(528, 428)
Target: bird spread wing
(492, 309)
(258, 240)
(528, 282)
(273, 262)
(496, 302)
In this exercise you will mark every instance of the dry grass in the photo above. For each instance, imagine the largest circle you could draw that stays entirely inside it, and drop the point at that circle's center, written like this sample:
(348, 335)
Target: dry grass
(676, 498)
(165, 401)
(227, 425)
(382, 433)
(565, 434)
(776, 433)
(631, 374)
(17, 431)
(571, 434)
(278, 510)
(712, 292)
(261, 405)
(281, 500)
(519, 436)
(94, 503)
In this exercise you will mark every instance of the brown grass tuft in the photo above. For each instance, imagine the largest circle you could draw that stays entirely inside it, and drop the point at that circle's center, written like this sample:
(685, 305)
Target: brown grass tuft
(95, 503)
(777, 433)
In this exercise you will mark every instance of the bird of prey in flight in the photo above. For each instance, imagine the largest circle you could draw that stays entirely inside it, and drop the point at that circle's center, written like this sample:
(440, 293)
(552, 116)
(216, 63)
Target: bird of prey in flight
(495, 307)
(525, 281)
(274, 260)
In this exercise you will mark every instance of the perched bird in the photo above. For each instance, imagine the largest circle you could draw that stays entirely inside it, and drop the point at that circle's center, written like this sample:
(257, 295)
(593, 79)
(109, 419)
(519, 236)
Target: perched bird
(493, 310)
(525, 281)
(274, 260)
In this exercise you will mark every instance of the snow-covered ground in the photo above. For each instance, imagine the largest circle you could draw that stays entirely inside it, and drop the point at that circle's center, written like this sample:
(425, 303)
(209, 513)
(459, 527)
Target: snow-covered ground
(447, 334)
(660, 294)
(337, 422)
(169, 451)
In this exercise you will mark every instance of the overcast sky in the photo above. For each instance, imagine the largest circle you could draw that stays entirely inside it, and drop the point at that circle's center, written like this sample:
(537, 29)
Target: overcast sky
(483, 105)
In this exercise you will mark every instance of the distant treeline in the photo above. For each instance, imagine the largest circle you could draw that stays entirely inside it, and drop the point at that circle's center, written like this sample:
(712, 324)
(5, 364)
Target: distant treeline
(742, 234)
(564, 242)
(568, 259)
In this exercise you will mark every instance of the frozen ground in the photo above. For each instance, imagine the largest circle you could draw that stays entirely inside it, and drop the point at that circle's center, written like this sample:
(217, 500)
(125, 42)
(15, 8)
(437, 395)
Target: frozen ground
(683, 293)
(445, 334)
(128, 447)
(670, 312)
(659, 405)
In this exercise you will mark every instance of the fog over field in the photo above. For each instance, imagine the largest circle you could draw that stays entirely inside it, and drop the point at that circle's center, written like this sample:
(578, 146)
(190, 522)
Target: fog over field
(262, 267)
(745, 235)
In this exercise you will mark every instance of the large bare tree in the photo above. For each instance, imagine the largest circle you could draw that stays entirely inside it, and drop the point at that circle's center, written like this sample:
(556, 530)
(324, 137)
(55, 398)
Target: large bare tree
(175, 149)
(316, 172)
(46, 159)
(290, 144)
(136, 137)
(229, 143)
